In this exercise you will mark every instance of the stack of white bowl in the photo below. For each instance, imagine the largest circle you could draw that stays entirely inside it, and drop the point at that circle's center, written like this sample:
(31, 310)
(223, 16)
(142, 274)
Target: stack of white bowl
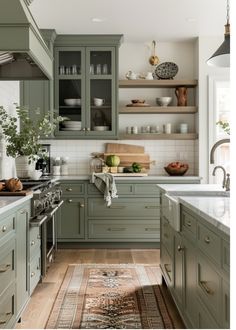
(71, 125)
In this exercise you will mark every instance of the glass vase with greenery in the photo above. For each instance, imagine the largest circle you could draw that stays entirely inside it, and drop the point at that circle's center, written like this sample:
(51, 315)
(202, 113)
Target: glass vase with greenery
(26, 140)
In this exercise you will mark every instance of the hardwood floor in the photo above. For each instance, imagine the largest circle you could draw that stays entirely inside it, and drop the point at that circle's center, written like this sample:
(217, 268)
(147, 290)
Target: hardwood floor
(38, 309)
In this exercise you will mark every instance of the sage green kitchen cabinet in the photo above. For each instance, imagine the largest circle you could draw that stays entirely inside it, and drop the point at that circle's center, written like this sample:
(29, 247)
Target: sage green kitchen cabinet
(70, 226)
(196, 270)
(86, 68)
(34, 257)
(22, 283)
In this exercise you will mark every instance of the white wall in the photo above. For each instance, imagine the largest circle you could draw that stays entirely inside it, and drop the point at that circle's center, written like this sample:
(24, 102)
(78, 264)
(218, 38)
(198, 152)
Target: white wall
(9, 94)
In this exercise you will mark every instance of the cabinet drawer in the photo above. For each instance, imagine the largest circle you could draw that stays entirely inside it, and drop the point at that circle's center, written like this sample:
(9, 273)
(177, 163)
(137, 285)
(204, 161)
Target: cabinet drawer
(205, 320)
(34, 241)
(7, 226)
(7, 307)
(209, 243)
(226, 256)
(166, 235)
(189, 225)
(122, 189)
(72, 188)
(226, 306)
(124, 229)
(209, 286)
(147, 189)
(167, 266)
(7, 264)
(35, 272)
(123, 207)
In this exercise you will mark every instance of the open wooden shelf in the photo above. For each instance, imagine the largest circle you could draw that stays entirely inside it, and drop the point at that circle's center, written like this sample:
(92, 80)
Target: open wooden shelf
(162, 83)
(163, 110)
(156, 136)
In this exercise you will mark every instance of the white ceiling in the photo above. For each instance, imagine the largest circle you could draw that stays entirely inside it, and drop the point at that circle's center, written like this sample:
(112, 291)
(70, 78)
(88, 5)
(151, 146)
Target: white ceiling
(138, 20)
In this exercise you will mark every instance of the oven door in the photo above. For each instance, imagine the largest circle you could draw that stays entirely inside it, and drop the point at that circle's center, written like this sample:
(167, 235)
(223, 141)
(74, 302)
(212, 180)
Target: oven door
(49, 238)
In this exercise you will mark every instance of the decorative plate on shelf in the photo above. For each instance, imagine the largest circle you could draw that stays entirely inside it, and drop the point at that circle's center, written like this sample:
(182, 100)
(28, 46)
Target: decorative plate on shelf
(166, 70)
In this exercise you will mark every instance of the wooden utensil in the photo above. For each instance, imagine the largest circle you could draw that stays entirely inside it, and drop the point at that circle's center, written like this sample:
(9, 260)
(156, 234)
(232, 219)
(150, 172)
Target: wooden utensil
(154, 60)
(123, 148)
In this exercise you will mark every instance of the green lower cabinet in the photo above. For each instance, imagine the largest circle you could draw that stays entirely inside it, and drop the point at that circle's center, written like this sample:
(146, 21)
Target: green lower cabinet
(8, 307)
(70, 225)
(226, 305)
(178, 268)
(22, 287)
(204, 319)
(167, 267)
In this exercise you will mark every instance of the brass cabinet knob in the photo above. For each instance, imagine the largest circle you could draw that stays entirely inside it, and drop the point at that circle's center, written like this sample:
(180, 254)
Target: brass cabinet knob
(88, 129)
(70, 200)
(68, 189)
(180, 248)
(32, 243)
(81, 205)
(4, 228)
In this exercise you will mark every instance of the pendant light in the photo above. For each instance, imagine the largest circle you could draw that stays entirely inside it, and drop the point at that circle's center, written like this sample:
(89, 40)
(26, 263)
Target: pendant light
(221, 58)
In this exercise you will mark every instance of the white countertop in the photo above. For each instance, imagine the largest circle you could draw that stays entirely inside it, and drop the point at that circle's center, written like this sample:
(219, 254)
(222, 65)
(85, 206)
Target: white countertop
(215, 210)
(188, 188)
(9, 202)
(160, 178)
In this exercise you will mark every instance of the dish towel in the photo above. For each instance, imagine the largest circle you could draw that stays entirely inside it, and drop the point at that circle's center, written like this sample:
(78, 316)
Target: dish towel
(105, 183)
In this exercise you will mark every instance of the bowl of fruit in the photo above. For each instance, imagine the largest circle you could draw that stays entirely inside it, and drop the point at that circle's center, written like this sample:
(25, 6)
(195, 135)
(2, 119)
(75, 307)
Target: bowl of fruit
(176, 168)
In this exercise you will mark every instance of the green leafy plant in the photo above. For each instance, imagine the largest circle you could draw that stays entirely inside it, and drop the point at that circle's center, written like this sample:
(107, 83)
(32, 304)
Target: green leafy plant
(224, 125)
(26, 141)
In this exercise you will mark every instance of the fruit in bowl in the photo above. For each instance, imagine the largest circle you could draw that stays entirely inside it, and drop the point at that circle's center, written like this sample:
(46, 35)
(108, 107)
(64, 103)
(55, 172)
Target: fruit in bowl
(137, 101)
(176, 168)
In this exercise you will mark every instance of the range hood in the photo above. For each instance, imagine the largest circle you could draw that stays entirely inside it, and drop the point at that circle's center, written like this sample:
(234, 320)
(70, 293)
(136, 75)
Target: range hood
(24, 55)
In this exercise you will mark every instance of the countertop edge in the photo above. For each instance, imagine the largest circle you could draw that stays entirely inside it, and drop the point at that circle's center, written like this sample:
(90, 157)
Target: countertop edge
(11, 204)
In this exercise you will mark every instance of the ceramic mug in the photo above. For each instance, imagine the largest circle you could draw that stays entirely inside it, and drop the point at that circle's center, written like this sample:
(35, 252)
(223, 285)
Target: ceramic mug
(98, 102)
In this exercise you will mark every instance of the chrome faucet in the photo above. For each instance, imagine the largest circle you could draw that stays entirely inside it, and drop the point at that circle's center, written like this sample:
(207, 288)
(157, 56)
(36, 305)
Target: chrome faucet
(216, 145)
(224, 172)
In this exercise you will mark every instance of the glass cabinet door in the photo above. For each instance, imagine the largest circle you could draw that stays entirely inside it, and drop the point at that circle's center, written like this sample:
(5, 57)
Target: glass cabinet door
(70, 90)
(100, 91)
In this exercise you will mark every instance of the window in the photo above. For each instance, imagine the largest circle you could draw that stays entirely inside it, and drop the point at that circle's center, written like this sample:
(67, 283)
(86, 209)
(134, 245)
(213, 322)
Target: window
(219, 110)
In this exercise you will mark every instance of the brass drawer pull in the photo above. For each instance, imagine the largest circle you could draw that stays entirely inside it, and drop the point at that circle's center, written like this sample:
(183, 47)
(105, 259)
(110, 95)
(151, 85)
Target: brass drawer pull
(117, 207)
(206, 288)
(32, 243)
(167, 268)
(32, 274)
(116, 229)
(189, 223)
(151, 229)
(70, 200)
(4, 228)
(4, 318)
(69, 189)
(180, 248)
(207, 239)
(5, 268)
(81, 205)
(151, 207)
(23, 211)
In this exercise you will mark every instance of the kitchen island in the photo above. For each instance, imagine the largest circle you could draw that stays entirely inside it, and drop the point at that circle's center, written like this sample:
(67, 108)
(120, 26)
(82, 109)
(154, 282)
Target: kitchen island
(195, 259)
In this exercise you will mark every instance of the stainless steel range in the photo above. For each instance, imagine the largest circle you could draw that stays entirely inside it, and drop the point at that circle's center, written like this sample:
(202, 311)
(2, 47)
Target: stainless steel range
(45, 203)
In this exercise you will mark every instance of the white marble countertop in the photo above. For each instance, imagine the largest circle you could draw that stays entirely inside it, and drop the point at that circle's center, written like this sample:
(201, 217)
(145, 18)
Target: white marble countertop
(160, 178)
(206, 200)
(215, 210)
(9, 202)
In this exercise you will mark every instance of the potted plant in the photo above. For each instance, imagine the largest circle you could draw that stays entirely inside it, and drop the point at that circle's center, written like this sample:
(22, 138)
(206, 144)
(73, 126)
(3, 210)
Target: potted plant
(24, 144)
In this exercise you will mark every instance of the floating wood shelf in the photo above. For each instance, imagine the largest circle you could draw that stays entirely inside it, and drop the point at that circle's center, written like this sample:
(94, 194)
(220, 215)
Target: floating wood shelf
(162, 136)
(162, 110)
(162, 83)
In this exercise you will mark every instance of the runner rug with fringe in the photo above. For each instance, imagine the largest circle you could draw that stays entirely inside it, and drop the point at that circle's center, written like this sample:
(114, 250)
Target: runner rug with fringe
(110, 297)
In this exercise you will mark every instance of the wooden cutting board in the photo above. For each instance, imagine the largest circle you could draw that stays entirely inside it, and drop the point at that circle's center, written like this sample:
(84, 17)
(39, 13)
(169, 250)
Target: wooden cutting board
(127, 159)
(16, 193)
(123, 148)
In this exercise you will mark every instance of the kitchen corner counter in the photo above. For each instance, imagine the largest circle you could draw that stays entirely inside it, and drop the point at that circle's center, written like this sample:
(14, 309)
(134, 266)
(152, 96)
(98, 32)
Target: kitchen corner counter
(214, 209)
(9, 202)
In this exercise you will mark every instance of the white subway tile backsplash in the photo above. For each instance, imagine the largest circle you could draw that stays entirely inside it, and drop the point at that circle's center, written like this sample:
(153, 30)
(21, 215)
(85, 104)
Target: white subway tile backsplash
(162, 151)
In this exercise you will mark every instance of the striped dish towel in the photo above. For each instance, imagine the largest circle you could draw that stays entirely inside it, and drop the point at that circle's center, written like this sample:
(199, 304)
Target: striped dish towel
(105, 182)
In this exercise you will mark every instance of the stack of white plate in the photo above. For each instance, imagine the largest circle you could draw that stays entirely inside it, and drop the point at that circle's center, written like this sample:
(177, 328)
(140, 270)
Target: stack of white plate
(71, 125)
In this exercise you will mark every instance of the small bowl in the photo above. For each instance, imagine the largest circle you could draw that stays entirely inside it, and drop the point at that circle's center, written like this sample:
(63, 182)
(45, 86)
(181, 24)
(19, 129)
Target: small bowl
(163, 101)
(176, 171)
(137, 101)
(35, 174)
(72, 101)
(101, 128)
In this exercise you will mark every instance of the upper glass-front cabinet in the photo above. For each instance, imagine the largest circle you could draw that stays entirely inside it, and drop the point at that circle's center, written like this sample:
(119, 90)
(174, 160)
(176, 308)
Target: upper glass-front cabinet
(86, 91)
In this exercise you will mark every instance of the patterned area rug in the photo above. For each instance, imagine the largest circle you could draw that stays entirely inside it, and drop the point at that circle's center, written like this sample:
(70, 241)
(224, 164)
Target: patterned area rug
(110, 297)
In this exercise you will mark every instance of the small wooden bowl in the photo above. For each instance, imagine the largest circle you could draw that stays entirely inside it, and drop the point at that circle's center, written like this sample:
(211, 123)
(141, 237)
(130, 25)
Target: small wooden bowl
(176, 171)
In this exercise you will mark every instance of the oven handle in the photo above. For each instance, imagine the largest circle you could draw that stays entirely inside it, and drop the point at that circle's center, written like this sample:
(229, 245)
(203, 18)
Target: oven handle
(54, 209)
